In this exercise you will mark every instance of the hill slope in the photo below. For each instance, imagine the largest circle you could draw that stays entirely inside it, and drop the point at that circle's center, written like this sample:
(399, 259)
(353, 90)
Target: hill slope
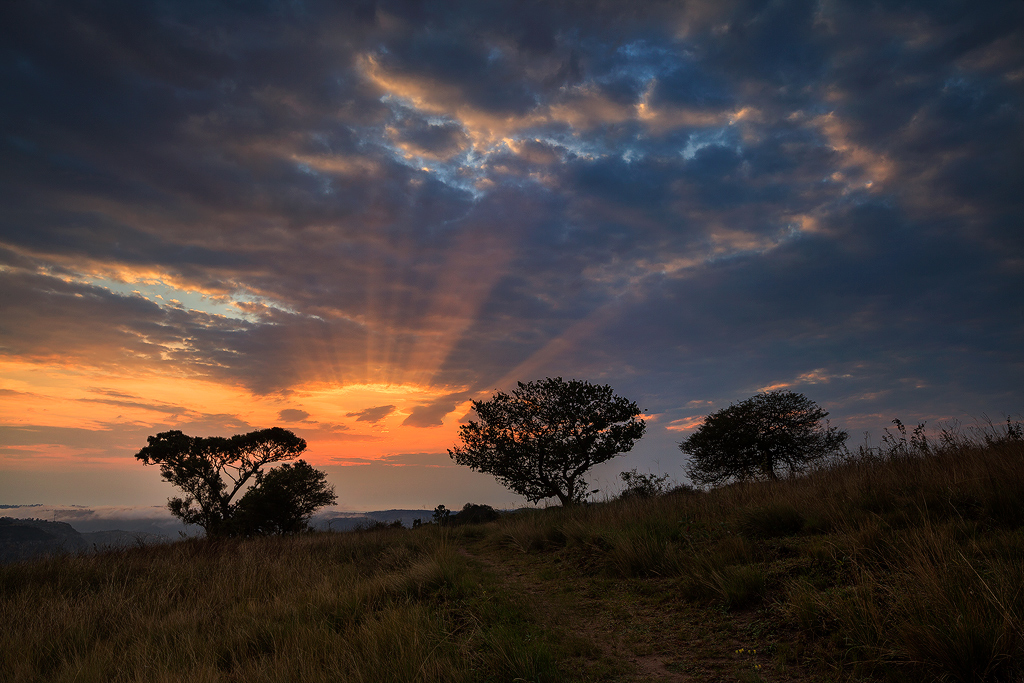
(904, 565)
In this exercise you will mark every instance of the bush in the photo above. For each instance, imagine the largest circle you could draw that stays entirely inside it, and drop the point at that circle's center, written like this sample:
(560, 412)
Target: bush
(474, 514)
(643, 485)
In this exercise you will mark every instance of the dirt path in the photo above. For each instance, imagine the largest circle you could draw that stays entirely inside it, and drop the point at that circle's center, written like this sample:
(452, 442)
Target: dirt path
(637, 630)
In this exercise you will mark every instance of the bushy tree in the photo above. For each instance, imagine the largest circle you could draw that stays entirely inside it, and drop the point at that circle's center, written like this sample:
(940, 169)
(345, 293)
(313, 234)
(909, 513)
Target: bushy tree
(442, 515)
(771, 433)
(542, 438)
(282, 500)
(213, 470)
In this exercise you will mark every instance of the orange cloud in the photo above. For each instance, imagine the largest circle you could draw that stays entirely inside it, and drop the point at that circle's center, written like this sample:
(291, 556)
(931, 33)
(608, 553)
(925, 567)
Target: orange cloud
(685, 423)
(817, 376)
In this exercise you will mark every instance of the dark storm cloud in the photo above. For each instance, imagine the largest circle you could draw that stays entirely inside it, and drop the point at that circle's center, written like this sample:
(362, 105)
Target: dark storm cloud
(835, 321)
(684, 83)
(488, 79)
(719, 195)
(440, 140)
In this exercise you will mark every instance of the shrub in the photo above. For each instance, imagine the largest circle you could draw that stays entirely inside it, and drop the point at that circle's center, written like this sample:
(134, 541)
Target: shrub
(643, 485)
(475, 514)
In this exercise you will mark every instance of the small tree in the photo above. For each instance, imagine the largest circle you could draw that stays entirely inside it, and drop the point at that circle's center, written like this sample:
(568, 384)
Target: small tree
(773, 432)
(540, 440)
(212, 470)
(441, 515)
(283, 500)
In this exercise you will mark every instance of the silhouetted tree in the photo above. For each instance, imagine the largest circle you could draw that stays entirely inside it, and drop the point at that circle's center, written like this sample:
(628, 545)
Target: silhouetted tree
(773, 432)
(540, 440)
(282, 500)
(441, 515)
(212, 470)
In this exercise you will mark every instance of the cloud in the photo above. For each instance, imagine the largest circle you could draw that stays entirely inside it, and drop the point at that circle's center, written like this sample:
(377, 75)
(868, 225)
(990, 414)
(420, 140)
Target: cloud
(432, 140)
(292, 415)
(432, 414)
(375, 414)
(432, 460)
(685, 424)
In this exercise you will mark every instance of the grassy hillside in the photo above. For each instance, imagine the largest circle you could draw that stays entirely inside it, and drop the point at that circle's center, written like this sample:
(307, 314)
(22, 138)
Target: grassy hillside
(902, 565)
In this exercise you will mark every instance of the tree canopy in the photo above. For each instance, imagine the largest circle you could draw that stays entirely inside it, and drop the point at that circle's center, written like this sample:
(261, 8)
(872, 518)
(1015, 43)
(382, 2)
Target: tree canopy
(540, 440)
(759, 438)
(213, 470)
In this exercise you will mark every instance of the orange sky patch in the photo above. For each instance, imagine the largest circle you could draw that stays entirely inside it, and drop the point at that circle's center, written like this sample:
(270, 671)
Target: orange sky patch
(53, 396)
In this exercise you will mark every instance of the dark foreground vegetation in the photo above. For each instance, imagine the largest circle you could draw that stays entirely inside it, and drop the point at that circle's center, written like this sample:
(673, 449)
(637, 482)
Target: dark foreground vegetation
(905, 564)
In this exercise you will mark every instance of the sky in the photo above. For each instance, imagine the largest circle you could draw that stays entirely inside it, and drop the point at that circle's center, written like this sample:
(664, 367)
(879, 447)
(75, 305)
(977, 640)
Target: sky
(352, 219)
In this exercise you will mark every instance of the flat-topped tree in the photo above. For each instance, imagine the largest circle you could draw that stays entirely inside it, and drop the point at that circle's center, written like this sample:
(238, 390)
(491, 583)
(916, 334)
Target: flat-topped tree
(542, 438)
(212, 470)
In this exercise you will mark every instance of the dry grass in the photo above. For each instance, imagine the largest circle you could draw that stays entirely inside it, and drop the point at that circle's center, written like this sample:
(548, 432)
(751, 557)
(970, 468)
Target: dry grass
(905, 562)
(379, 606)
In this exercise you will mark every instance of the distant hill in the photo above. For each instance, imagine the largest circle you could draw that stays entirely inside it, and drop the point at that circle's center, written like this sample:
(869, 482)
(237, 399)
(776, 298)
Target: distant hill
(22, 539)
(346, 521)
